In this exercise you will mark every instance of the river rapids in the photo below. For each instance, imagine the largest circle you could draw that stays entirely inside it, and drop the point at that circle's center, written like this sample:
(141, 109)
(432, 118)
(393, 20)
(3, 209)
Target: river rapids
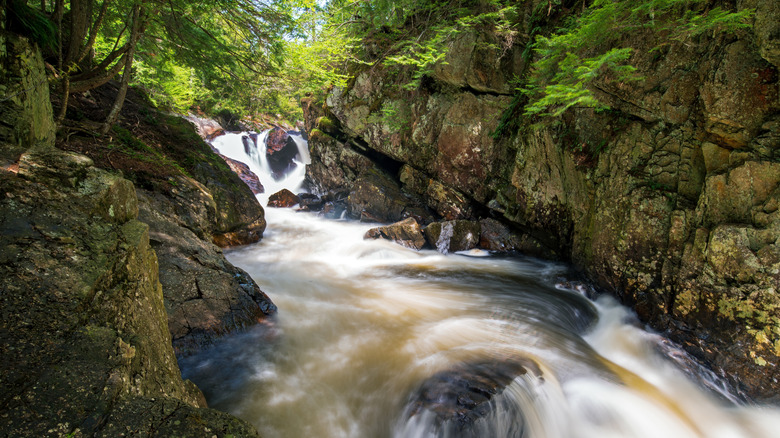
(374, 340)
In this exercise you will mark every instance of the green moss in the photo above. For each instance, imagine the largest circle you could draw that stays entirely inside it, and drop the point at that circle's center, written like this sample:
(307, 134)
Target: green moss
(327, 124)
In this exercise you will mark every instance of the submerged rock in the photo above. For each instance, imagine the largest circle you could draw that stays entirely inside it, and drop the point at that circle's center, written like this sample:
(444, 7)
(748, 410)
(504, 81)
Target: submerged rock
(406, 233)
(283, 199)
(453, 236)
(463, 400)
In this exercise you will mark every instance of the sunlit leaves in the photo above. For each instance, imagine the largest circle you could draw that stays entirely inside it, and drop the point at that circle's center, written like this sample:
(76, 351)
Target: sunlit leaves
(594, 46)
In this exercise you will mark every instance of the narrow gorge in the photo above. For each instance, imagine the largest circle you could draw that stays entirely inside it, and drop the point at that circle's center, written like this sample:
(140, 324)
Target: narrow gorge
(442, 246)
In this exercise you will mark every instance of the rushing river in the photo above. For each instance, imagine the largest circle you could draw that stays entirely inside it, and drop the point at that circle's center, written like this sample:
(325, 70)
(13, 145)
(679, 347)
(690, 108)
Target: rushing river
(364, 326)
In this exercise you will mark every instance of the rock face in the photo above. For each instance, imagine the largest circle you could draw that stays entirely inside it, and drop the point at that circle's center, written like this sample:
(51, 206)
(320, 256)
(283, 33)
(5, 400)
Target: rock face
(671, 200)
(85, 343)
(85, 346)
(205, 296)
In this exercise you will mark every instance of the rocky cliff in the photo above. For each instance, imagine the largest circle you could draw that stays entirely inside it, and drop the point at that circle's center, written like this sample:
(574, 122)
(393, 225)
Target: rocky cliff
(85, 337)
(669, 200)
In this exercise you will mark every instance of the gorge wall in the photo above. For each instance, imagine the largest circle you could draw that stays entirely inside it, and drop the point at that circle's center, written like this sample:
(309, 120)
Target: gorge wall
(99, 276)
(670, 200)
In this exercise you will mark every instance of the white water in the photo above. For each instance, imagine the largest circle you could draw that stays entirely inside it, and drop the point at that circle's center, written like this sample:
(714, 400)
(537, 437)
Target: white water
(231, 146)
(363, 324)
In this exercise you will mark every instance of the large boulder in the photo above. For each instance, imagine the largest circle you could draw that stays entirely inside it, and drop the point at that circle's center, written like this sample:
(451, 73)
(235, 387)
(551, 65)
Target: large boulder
(280, 151)
(85, 348)
(205, 295)
(407, 233)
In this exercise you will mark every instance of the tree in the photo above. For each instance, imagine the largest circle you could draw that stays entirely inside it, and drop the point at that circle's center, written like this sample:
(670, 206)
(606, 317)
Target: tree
(225, 40)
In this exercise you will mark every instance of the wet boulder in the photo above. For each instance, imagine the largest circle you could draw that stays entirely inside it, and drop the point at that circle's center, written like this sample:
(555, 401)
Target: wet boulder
(246, 174)
(467, 400)
(407, 233)
(283, 199)
(276, 140)
(280, 150)
(309, 202)
(452, 236)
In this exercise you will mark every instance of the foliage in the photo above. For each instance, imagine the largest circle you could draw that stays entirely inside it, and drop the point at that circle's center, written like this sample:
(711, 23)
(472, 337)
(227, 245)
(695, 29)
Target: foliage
(593, 46)
(413, 36)
(27, 20)
(208, 54)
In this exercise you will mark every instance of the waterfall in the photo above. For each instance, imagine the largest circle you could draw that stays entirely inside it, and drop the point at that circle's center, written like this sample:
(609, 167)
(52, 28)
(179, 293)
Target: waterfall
(233, 145)
(303, 149)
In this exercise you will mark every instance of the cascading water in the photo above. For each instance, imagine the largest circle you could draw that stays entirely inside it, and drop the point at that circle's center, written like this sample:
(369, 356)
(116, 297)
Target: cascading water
(240, 147)
(374, 340)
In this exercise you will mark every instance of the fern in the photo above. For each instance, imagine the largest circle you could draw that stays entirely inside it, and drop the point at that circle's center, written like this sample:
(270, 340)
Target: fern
(569, 61)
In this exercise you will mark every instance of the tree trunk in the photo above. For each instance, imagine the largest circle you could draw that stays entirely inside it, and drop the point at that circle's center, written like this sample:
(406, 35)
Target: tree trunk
(65, 96)
(59, 9)
(80, 20)
(138, 17)
(93, 31)
(81, 84)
